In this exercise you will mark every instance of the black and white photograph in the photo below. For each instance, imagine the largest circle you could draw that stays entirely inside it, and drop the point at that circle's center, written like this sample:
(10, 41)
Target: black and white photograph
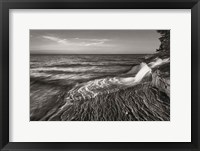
(99, 75)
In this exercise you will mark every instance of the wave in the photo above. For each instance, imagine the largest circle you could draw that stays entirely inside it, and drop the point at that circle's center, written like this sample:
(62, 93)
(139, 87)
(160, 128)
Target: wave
(76, 73)
(158, 62)
(107, 85)
(144, 70)
(104, 64)
(93, 86)
(81, 69)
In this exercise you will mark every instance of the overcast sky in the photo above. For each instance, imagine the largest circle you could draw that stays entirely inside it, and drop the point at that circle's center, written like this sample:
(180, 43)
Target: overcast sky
(93, 41)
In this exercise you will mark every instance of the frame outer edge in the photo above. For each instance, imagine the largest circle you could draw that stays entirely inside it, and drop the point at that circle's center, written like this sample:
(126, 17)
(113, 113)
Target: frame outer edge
(195, 128)
(1, 63)
(4, 74)
(141, 1)
(198, 101)
(3, 129)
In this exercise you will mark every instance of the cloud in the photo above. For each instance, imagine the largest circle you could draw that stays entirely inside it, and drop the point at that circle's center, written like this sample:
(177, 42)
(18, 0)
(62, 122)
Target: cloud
(92, 42)
(78, 42)
(56, 39)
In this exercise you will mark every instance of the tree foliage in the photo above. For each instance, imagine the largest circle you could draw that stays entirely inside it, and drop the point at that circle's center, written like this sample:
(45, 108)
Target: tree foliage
(165, 40)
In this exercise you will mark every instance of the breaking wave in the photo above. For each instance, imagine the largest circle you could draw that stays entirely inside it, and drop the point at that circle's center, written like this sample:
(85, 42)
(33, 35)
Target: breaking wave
(111, 84)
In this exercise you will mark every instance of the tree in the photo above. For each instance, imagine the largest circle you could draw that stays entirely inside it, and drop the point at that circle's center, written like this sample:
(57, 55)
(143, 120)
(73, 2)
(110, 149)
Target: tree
(165, 40)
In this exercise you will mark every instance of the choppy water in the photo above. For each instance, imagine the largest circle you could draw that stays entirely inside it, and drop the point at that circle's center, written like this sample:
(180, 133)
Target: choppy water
(72, 69)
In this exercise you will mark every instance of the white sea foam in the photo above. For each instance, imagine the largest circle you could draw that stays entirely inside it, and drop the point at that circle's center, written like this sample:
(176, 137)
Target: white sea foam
(158, 62)
(93, 88)
(144, 69)
(76, 69)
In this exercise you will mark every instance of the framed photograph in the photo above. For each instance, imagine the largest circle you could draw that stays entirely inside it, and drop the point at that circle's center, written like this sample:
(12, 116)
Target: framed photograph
(99, 75)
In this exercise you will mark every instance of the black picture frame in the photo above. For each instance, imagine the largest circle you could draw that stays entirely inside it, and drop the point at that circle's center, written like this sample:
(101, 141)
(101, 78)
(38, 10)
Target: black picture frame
(5, 5)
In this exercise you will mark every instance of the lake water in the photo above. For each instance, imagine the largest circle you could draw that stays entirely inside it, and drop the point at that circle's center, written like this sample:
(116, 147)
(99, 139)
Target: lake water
(73, 69)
